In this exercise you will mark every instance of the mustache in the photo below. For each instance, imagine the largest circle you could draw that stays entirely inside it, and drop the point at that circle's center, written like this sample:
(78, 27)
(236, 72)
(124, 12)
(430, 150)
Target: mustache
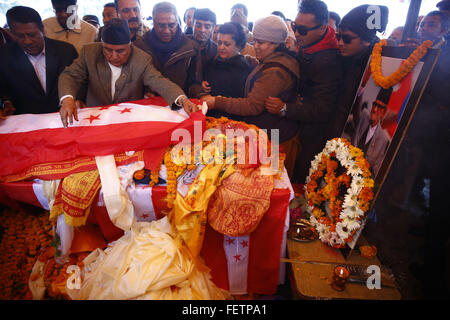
(135, 19)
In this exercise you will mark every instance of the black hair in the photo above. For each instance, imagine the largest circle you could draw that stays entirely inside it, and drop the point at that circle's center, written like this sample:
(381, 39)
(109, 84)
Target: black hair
(187, 10)
(280, 14)
(442, 15)
(116, 3)
(333, 15)
(317, 8)
(205, 14)
(110, 5)
(91, 17)
(283, 49)
(21, 14)
(240, 6)
(236, 31)
(64, 2)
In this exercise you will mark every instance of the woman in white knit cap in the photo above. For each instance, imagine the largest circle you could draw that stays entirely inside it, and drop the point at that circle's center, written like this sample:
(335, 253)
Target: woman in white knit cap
(276, 75)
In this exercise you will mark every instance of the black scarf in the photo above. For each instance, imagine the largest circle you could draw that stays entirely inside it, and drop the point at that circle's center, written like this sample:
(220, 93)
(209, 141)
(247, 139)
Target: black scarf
(163, 50)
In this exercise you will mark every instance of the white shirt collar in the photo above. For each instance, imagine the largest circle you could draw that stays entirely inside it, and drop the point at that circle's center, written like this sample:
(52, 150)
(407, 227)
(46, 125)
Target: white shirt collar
(42, 53)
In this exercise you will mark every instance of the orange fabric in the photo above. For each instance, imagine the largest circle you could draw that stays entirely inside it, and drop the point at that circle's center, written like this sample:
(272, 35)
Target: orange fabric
(239, 204)
(87, 238)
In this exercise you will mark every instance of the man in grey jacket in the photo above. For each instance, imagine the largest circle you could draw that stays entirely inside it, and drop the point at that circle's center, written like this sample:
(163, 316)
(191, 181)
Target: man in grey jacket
(114, 71)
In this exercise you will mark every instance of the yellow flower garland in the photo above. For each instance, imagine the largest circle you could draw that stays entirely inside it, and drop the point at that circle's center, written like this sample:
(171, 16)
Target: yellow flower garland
(405, 68)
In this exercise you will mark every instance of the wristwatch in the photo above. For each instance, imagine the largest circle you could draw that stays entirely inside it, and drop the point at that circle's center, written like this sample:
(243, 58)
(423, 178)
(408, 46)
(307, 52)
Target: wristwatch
(283, 111)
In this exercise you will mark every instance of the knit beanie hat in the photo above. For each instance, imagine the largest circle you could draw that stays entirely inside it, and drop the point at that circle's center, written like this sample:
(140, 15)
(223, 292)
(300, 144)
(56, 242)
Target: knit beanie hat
(383, 96)
(357, 22)
(443, 5)
(64, 2)
(272, 29)
(116, 31)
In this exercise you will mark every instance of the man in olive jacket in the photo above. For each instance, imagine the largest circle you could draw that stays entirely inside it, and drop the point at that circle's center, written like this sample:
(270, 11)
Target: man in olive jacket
(114, 72)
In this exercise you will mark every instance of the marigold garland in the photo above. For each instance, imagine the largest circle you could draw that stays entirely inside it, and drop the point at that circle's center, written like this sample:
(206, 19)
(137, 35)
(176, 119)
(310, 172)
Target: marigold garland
(339, 177)
(23, 236)
(368, 251)
(405, 68)
(174, 170)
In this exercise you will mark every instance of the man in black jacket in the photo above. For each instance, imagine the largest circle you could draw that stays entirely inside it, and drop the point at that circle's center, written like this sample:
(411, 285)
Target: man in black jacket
(30, 67)
(356, 41)
(320, 74)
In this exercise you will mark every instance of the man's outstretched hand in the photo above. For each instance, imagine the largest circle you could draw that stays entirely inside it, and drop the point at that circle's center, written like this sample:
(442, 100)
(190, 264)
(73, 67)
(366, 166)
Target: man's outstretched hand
(68, 111)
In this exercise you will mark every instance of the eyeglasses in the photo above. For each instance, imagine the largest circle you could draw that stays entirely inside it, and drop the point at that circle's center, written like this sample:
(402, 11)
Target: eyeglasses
(345, 38)
(302, 30)
(166, 25)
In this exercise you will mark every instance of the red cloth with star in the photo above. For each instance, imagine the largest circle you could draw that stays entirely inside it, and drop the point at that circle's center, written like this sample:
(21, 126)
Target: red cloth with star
(264, 249)
(27, 140)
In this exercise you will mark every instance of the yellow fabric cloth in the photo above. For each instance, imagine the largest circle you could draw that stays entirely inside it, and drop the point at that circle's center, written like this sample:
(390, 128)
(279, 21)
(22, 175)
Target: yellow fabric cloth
(75, 196)
(50, 188)
(188, 217)
(148, 262)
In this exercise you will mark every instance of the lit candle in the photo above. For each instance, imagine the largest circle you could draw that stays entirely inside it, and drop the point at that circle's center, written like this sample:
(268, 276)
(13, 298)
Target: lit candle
(342, 272)
(340, 276)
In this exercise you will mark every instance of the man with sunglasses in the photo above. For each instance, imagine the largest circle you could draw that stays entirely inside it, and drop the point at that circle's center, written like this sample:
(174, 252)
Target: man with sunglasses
(356, 41)
(67, 26)
(320, 75)
(173, 53)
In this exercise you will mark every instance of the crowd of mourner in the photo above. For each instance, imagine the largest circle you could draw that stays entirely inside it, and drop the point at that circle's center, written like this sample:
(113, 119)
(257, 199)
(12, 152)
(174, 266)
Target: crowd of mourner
(297, 76)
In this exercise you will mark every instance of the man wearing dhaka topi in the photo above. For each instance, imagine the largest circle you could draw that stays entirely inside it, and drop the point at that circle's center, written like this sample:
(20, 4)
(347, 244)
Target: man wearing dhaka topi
(115, 71)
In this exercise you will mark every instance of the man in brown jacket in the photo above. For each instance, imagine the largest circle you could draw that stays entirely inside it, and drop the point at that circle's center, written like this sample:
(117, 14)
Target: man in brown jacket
(115, 72)
(173, 53)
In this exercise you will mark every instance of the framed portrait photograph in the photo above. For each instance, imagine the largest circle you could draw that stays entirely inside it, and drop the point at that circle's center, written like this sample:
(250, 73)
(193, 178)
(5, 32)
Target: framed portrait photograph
(379, 117)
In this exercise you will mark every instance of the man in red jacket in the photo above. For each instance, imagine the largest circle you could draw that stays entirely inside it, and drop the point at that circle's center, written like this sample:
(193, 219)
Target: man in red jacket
(319, 83)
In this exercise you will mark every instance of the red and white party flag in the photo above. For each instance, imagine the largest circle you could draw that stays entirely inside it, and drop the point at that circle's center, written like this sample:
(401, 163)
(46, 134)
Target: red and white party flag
(31, 139)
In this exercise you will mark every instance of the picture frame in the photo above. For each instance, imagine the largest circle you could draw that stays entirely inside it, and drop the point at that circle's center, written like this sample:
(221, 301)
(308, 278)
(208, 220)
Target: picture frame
(387, 127)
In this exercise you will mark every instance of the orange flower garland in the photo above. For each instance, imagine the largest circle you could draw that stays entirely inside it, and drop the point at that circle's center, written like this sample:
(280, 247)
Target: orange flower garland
(174, 170)
(23, 237)
(340, 166)
(405, 68)
(368, 251)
